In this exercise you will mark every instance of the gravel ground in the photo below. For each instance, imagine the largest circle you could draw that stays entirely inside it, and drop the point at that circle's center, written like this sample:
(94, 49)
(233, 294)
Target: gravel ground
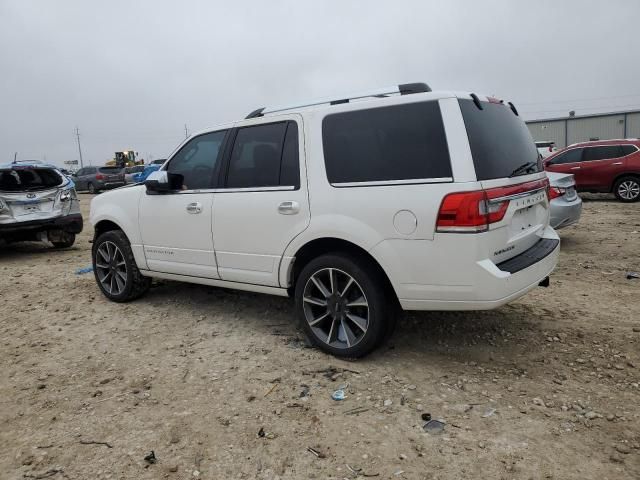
(220, 384)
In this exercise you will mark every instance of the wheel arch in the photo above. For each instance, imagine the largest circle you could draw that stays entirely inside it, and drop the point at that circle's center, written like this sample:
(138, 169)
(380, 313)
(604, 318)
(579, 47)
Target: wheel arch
(635, 174)
(320, 246)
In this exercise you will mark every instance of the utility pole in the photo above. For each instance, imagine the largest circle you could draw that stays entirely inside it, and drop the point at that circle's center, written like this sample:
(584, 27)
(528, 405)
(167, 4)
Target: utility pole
(79, 149)
(186, 132)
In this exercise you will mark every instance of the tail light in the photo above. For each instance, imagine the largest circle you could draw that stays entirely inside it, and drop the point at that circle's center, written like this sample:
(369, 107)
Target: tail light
(555, 192)
(99, 177)
(474, 211)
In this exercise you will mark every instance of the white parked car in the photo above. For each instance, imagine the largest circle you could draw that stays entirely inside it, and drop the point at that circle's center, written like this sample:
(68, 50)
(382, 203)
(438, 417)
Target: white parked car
(353, 206)
(546, 148)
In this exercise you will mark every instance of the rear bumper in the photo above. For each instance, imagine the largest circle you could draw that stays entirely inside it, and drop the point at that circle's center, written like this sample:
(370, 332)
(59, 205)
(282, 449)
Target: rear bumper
(446, 276)
(565, 213)
(69, 223)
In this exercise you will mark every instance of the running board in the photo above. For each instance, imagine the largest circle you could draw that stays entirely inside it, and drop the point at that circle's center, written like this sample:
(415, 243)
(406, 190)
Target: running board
(247, 287)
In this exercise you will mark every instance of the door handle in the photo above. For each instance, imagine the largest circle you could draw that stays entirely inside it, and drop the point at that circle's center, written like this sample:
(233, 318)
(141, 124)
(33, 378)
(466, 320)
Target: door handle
(195, 207)
(617, 163)
(288, 208)
(575, 168)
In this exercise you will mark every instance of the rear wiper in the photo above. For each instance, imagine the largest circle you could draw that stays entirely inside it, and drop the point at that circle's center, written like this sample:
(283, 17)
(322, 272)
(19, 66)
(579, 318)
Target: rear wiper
(524, 168)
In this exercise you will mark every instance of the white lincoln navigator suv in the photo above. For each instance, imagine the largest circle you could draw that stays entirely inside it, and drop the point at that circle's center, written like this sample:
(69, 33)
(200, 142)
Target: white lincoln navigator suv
(353, 206)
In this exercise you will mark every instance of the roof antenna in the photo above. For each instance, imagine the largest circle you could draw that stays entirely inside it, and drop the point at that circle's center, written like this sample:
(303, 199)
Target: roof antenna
(15, 157)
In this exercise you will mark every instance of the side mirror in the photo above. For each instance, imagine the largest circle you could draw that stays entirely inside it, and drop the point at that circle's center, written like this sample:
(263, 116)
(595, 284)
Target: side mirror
(158, 182)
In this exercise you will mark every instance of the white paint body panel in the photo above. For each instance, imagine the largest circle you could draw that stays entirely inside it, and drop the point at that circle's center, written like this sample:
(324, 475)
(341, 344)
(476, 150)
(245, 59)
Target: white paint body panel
(239, 240)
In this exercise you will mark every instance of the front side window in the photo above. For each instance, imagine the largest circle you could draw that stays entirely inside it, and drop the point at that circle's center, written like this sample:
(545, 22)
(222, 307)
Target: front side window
(195, 165)
(628, 149)
(400, 142)
(601, 153)
(570, 156)
(265, 156)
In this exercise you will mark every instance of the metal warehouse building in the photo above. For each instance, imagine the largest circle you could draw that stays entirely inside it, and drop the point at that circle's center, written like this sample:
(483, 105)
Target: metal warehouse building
(582, 128)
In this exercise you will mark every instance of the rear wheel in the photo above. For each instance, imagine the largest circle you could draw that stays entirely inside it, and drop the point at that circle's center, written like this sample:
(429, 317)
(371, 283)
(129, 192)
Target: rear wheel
(115, 269)
(64, 240)
(627, 189)
(342, 305)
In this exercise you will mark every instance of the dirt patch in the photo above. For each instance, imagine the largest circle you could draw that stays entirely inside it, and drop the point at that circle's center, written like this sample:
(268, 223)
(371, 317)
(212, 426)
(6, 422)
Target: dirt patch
(221, 384)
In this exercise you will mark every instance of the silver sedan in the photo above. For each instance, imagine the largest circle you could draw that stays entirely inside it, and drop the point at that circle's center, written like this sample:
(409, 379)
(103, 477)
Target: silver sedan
(566, 204)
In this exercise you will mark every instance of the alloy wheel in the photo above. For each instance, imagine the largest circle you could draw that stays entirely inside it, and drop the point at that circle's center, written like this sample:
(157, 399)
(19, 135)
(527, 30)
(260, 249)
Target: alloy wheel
(629, 189)
(336, 308)
(111, 268)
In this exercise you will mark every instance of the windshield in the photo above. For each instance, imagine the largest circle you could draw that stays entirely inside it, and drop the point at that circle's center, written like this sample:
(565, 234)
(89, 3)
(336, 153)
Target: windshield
(19, 179)
(501, 143)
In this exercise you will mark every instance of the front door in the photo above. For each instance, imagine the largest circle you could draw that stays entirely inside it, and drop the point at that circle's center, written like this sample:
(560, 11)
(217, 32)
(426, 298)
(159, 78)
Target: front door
(176, 227)
(263, 204)
(569, 161)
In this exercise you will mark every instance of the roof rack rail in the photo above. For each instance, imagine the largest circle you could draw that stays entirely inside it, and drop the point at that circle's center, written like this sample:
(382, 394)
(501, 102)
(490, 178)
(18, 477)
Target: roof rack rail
(402, 89)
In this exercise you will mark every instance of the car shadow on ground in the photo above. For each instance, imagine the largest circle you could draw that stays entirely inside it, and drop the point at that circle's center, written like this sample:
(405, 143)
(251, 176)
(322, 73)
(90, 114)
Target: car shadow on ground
(19, 249)
(460, 335)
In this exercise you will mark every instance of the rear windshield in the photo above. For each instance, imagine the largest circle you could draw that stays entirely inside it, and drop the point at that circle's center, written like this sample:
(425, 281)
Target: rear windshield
(110, 170)
(500, 141)
(22, 179)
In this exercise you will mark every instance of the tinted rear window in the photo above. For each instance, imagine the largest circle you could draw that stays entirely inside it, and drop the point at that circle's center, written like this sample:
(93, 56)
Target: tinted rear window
(110, 170)
(400, 142)
(21, 179)
(500, 141)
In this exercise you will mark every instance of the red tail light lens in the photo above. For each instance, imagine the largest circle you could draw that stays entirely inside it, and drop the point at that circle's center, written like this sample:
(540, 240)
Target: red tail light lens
(555, 192)
(474, 211)
(99, 177)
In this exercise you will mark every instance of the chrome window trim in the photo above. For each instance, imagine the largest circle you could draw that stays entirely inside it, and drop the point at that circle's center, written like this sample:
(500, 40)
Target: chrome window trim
(232, 190)
(377, 183)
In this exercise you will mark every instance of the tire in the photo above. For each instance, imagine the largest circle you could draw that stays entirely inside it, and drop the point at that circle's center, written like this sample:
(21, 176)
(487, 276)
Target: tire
(115, 269)
(627, 189)
(91, 188)
(334, 315)
(66, 241)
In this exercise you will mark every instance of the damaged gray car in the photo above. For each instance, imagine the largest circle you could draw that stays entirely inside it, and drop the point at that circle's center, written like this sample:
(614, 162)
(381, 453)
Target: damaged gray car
(38, 202)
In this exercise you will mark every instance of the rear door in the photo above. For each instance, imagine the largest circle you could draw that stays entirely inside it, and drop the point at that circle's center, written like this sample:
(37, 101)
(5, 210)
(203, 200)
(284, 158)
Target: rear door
(263, 204)
(599, 167)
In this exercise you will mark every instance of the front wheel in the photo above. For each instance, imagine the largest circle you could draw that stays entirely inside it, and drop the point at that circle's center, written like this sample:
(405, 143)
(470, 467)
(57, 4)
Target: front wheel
(342, 305)
(627, 189)
(91, 188)
(115, 269)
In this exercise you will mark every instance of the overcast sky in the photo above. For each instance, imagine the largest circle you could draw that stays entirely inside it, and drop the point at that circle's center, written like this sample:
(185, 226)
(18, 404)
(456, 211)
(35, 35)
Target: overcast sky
(130, 75)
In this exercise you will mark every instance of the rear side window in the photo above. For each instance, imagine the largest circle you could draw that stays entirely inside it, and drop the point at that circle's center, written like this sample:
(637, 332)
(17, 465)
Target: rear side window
(500, 141)
(400, 142)
(601, 153)
(265, 156)
(23, 179)
(570, 156)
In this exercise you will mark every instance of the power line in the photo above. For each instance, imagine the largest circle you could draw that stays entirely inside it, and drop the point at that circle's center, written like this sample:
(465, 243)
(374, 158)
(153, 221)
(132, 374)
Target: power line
(79, 149)
(553, 102)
